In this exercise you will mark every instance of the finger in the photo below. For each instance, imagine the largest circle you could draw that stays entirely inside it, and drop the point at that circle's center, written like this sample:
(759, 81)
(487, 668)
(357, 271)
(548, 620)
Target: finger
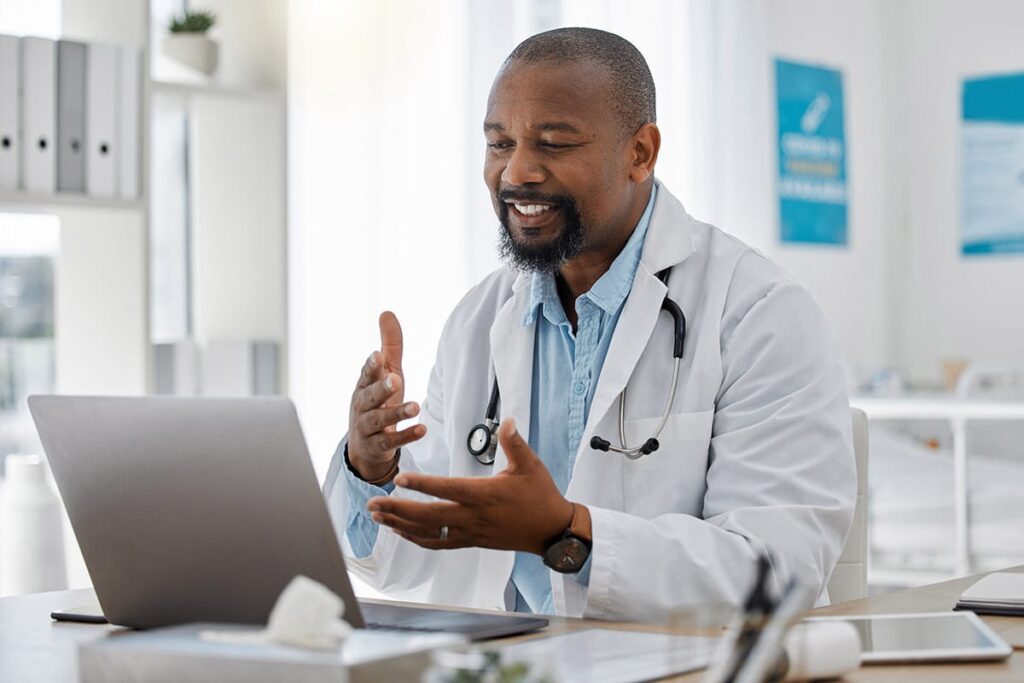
(378, 393)
(391, 340)
(372, 371)
(376, 420)
(389, 441)
(466, 490)
(516, 449)
(436, 543)
(414, 512)
(410, 528)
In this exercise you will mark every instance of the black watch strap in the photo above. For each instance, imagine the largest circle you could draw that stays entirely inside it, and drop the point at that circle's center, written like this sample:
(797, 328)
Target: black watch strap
(568, 552)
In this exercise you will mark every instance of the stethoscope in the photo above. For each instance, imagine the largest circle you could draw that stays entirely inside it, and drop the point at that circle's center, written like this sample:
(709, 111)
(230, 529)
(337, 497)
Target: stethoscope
(482, 441)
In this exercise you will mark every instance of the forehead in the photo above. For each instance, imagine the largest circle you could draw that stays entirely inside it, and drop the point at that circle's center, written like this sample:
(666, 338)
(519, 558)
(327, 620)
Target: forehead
(539, 93)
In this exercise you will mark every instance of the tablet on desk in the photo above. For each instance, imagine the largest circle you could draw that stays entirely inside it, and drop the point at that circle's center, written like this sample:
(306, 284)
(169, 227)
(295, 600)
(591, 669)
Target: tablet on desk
(938, 636)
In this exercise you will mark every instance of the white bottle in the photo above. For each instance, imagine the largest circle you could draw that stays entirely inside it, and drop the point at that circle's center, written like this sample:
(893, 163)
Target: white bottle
(31, 534)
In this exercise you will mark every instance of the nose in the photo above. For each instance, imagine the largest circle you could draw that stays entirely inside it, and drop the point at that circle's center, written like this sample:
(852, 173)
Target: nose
(523, 168)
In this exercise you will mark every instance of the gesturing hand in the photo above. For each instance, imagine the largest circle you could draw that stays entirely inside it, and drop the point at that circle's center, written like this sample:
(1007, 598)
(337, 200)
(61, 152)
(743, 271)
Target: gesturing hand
(377, 406)
(520, 508)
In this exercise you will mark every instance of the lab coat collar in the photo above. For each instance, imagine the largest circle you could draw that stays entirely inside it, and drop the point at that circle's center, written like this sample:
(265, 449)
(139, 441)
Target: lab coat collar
(512, 352)
(670, 235)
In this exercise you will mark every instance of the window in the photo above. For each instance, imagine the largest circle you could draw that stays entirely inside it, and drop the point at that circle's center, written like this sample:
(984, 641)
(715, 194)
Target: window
(28, 250)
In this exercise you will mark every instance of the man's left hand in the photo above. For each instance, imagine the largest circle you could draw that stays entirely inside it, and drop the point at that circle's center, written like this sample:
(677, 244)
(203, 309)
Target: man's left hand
(520, 508)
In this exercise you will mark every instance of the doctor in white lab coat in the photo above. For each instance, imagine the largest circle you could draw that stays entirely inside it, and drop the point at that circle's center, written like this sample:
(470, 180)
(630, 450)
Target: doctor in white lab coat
(755, 458)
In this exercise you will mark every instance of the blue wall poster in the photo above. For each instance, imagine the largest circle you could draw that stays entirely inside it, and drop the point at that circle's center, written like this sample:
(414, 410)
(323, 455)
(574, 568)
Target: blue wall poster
(812, 154)
(992, 182)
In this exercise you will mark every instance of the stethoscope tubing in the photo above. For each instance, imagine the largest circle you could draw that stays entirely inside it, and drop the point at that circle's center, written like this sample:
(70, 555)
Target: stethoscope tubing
(487, 430)
(637, 452)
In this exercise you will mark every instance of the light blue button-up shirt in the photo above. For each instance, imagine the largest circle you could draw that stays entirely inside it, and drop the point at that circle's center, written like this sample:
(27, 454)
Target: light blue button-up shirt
(566, 368)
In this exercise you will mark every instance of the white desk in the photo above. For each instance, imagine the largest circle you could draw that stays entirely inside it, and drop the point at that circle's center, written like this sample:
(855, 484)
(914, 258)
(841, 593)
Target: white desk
(958, 412)
(35, 648)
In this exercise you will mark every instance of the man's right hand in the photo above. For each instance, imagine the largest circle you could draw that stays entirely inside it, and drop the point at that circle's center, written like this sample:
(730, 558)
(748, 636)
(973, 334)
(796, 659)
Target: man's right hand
(377, 406)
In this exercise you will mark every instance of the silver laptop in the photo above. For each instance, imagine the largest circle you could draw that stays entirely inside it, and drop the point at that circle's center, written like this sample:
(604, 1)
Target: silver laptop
(203, 509)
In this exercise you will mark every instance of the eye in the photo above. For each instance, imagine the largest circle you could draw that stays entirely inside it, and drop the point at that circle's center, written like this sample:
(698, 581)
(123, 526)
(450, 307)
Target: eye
(555, 145)
(499, 145)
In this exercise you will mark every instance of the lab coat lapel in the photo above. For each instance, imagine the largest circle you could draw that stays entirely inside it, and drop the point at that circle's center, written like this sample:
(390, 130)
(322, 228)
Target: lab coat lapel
(512, 349)
(635, 326)
(668, 242)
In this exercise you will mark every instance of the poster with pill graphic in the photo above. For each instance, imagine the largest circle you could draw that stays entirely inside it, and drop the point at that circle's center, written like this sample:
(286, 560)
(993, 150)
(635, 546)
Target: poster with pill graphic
(812, 184)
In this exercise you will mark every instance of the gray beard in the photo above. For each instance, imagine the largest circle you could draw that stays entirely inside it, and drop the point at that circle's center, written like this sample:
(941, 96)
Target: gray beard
(547, 258)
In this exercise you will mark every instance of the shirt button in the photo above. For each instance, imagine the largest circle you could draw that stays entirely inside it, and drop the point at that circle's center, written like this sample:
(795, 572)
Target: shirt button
(579, 388)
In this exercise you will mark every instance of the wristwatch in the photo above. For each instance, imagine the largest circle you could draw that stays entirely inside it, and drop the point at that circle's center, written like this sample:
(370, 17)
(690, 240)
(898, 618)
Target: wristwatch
(568, 552)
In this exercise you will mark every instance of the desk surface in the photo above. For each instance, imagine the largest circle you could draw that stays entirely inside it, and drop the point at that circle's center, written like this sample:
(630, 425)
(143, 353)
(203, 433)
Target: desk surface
(33, 647)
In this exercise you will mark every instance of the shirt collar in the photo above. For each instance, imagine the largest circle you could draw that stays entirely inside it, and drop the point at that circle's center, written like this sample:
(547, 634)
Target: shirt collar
(610, 290)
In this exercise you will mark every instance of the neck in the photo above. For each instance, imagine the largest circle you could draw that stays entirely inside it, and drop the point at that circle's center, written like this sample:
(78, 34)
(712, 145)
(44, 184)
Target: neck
(577, 276)
(580, 274)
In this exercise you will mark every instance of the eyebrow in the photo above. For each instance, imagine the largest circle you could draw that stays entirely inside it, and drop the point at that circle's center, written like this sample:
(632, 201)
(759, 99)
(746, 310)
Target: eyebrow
(556, 126)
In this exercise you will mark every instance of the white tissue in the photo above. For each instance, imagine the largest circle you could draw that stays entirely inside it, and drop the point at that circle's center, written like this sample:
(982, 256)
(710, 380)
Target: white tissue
(823, 649)
(307, 614)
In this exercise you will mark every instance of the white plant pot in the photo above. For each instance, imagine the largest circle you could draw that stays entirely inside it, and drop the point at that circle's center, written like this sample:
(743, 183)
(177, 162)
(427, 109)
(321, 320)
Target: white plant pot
(192, 49)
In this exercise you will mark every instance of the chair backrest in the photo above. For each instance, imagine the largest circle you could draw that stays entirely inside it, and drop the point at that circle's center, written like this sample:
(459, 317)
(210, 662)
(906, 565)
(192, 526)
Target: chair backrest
(849, 580)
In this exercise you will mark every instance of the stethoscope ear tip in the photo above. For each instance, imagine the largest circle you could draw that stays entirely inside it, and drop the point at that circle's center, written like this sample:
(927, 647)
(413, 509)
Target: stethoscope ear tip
(599, 444)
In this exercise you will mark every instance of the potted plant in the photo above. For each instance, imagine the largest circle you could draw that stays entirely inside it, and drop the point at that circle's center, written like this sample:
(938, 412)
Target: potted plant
(188, 43)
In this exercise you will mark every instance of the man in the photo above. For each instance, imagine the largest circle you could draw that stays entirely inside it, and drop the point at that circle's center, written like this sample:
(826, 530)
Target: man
(754, 454)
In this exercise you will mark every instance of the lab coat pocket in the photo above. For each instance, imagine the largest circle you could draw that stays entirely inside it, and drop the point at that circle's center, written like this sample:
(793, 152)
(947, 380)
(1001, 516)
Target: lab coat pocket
(672, 478)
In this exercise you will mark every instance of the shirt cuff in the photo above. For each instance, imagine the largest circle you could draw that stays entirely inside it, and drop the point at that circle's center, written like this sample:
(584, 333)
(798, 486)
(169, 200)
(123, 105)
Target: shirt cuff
(583, 575)
(360, 527)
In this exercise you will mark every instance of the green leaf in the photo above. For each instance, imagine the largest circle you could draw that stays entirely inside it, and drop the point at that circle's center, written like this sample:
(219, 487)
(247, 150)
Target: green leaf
(192, 21)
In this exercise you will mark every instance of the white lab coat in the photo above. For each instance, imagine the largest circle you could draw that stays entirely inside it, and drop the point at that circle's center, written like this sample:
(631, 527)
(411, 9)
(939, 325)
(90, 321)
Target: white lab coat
(756, 456)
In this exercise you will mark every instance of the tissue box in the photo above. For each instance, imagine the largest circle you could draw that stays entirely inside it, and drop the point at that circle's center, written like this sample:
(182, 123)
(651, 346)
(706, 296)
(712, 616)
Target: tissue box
(178, 654)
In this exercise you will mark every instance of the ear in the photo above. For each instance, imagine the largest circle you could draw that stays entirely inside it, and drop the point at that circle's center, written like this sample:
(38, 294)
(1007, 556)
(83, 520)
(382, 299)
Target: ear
(644, 147)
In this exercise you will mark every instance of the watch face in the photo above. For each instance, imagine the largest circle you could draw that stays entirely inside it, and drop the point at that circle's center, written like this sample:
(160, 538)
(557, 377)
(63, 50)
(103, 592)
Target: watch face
(567, 555)
(479, 439)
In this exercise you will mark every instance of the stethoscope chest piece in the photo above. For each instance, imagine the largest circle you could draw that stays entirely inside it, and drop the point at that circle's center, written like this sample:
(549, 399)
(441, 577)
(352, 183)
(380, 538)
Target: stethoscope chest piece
(482, 442)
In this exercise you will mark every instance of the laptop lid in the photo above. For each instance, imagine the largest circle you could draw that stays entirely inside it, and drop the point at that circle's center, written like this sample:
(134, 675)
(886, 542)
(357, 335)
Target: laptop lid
(190, 509)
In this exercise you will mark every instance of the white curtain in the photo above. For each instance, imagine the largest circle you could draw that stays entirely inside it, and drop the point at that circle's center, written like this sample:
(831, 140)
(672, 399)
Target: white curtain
(387, 204)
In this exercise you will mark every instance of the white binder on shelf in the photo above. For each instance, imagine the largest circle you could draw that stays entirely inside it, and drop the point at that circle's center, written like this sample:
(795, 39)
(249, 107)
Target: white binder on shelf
(9, 130)
(71, 58)
(101, 109)
(39, 114)
(130, 104)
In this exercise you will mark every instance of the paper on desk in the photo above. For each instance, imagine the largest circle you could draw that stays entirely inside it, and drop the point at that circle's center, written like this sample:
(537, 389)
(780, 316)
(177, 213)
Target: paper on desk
(609, 656)
(1003, 589)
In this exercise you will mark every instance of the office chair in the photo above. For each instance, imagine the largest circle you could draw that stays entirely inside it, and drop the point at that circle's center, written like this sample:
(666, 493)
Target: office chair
(849, 580)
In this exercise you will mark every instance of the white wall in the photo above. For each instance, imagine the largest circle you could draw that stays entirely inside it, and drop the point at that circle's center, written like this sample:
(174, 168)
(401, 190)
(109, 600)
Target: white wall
(377, 170)
(101, 329)
(852, 283)
(901, 294)
(953, 306)
(237, 176)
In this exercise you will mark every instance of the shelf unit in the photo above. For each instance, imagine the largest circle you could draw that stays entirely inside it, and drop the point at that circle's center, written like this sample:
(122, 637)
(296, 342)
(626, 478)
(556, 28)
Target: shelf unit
(235, 194)
(37, 202)
(217, 90)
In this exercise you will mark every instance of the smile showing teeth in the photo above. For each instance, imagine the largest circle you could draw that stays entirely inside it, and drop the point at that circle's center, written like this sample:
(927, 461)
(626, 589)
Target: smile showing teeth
(531, 209)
